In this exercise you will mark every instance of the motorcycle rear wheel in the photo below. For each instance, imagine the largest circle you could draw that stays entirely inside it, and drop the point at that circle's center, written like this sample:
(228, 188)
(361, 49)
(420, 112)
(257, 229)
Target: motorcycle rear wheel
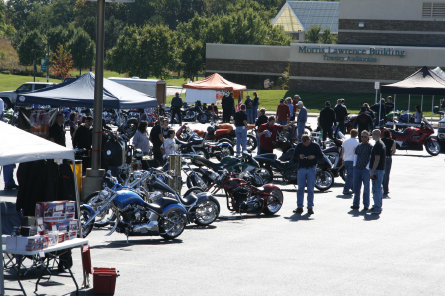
(203, 183)
(343, 174)
(324, 180)
(85, 215)
(265, 173)
(275, 206)
(207, 212)
(174, 224)
(225, 151)
(202, 152)
(203, 118)
(432, 147)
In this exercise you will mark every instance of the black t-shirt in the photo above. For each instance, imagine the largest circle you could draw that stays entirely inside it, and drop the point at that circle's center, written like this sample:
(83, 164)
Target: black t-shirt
(58, 133)
(154, 135)
(261, 120)
(379, 149)
(389, 107)
(363, 121)
(240, 117)
(83, 138)
(256, 101)
(388, 143)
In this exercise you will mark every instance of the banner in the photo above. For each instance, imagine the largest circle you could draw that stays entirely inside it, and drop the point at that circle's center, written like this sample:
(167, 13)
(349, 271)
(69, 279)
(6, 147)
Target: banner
(43, 64)
(37, 121)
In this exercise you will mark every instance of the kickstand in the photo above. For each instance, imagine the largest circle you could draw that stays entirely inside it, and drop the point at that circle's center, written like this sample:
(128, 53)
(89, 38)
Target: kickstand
(242, 217)
(127, 238)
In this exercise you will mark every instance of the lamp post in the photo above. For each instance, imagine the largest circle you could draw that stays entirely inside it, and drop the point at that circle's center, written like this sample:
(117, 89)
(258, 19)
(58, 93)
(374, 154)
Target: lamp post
(47, 59)
(34, 65)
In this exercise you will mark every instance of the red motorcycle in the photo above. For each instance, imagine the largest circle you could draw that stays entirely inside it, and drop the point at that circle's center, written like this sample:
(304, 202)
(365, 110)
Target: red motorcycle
(243, 197)
(414, 138)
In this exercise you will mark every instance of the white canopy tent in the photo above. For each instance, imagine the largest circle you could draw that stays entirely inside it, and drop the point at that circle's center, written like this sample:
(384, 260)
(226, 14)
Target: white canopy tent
(18, 146)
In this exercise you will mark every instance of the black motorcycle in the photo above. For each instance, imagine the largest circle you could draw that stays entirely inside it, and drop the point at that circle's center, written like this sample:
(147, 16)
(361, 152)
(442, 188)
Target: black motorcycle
(193, 113)
(286, 168)
(334, 154)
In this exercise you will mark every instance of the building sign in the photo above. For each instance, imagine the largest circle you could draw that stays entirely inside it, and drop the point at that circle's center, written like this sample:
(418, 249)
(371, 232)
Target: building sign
(353, 54)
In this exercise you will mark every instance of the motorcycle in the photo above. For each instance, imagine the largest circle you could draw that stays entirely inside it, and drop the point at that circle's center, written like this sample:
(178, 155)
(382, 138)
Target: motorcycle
(193, 113)
(243, 197)
(415, 138)
(226, 133)
(334, 154)
(135, 217)
(245, 165)
(287, 168)
(195, 145)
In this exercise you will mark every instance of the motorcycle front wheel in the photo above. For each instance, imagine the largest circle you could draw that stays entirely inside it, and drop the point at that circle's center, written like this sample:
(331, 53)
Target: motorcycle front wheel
(207, 212)
(432, 147)
(106, 216)
(85, 215)
(173, 223)
(274, 206)
(203, 118)
(324, 180)
(256, 180)
(200, 181)
(225, 151)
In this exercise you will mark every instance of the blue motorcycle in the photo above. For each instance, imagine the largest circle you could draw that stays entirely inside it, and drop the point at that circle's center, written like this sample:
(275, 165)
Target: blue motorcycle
(165, 217)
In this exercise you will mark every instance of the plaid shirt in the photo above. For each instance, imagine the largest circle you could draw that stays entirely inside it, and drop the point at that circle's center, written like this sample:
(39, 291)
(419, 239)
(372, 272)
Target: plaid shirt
(363, 152)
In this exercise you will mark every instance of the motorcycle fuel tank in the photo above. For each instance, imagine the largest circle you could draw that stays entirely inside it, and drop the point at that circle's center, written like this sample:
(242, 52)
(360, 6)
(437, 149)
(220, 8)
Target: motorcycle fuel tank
(228, 160)
(125, 198)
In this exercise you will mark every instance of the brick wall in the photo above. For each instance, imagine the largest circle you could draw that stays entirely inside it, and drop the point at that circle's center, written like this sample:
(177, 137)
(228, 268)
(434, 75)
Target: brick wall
(386, 25)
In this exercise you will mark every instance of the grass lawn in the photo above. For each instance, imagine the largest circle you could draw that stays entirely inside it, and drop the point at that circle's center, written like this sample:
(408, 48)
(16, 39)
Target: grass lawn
(314, 101)
(9, 82)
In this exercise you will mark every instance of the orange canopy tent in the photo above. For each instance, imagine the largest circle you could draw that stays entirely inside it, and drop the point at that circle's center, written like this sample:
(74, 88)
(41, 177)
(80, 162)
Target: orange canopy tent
(214, 82)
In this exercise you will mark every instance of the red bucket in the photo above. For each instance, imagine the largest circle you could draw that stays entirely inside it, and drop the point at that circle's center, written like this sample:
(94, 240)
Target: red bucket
(104, 280)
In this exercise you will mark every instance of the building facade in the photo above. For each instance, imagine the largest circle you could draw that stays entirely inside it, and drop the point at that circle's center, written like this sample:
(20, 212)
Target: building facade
(378, 41)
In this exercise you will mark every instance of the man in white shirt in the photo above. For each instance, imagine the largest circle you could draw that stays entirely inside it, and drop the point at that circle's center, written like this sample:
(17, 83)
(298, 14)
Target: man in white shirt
(348, 151)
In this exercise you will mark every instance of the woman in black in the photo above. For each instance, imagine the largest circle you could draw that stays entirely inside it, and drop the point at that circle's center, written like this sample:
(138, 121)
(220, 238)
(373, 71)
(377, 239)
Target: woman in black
(261, 120)
(74, 118)
(390, 145)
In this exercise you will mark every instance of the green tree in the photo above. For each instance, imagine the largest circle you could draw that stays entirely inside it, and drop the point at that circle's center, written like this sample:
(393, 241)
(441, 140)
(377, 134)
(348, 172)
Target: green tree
(113, 30)
(327, 37)
(17, 11)
(29, 43)
(144, 52)
(192, 59)
(59, 35)
(313, 34)
(83, 50)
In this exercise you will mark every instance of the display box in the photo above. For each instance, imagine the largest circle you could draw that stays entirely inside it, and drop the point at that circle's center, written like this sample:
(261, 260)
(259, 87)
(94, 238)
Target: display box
(53, 211)
(26, 243)
(70, 210)
(29, 221)
(73, 234)
(74, 225)
(28, 230)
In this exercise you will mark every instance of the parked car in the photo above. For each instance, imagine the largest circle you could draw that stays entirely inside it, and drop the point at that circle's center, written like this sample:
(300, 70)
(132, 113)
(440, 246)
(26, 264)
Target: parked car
(10, 97)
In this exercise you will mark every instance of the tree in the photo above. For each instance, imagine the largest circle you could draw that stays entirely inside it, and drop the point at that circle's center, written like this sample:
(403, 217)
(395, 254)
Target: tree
(113, 30)
(62, 62)
(26, 46)
(144, 52)
(313, 34)
(83, 50)
(327, 37)
(192, 60)
(59, 35)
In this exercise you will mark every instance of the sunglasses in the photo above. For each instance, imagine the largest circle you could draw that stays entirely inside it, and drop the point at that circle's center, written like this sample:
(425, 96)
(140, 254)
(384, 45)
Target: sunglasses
(364, 136)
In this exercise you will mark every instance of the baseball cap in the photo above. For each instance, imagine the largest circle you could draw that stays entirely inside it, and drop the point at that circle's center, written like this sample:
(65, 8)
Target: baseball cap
(281, 100)
(327, 103)
(300, 103)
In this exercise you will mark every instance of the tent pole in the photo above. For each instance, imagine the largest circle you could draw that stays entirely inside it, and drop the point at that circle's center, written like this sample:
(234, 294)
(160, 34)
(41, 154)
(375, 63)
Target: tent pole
(380, 110)
(421, 104)
(432, 109)
(409, 101)
(395, 97)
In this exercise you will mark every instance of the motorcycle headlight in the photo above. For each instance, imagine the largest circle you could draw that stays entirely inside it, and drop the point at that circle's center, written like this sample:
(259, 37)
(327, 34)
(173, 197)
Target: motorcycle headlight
(104, 193)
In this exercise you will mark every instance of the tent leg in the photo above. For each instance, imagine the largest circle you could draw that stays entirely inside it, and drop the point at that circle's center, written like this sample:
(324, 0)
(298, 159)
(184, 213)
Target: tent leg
(395, 96)
(432, 109)
(421, 104)
(409, 101)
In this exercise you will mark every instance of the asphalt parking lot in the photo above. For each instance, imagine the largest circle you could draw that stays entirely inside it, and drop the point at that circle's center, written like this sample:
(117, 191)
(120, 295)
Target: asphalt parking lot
(336, 251)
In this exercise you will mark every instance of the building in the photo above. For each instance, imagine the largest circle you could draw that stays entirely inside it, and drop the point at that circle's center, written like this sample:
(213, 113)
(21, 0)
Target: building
(378, 41)
(298, 16)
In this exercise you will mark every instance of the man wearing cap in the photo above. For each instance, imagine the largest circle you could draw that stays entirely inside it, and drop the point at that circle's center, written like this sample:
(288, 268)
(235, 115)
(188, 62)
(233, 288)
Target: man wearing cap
(301, 119)
(268, 133)
(176, 108)
(83, 136)
(283, 113)
(327, 119)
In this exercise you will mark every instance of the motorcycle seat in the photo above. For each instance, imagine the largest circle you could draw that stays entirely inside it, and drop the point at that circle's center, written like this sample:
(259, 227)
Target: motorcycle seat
(270, 156)
(279, 162)
(396, 133)
(189, 200)
(160, 204)
(183, 143)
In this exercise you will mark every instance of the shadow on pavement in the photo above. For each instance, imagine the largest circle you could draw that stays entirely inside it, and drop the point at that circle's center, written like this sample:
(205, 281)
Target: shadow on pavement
(197, 227)
(366, 216)
(120, 243)
(244, 216)
(299, 217)
(343, 196)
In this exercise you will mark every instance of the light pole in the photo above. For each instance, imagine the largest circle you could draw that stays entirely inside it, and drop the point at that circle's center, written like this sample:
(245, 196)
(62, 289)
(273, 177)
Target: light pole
(47, 60)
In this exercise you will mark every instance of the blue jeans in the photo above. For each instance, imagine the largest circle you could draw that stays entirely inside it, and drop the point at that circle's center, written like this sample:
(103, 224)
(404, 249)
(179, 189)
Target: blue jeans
(300, 130)
(249, 116)
(388, 165)
(377, 191)
(306, 179)
(8, 175)
(255, 112)
(241, 138)
(349, 182)
(361, 176)
(282, 123)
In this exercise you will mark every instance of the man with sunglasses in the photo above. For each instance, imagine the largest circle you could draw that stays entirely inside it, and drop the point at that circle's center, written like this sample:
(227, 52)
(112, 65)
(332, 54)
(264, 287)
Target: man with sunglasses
(361, 171)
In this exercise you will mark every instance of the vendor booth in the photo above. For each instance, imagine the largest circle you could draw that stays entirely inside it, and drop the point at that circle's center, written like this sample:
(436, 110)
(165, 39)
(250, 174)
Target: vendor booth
(18, 146)
(211, 88)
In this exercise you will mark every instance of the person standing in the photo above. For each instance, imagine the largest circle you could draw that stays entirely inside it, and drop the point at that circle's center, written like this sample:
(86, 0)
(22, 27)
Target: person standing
(57, 131)
(369, 112)
(227, 104)
(327, 120)
(213, 109)
(241, 129)
(141, 138)
(262, 119)
(256, 104)
(283, 113)
(288, 101)
(307, 153)
(380, 112)
(8, 177)
(268, 133)
(348, 152)
(418, 115)
(73, 122)
(378, 159)
(168, 147)
(390, 145)
(176, 108)
(294, 103)
(340, 114)
(301, 119)
(249, 111)
(83, 136)
(157, 138)
(2, 108)
(363, 121)
(361, 171)
(389, 106)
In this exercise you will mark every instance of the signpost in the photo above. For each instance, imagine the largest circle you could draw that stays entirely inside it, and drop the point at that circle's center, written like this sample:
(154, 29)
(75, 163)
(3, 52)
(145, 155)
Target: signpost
(377, 88)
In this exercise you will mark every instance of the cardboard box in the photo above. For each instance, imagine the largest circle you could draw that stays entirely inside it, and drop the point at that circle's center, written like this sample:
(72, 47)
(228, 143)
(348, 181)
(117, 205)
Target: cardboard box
(70, 210)
(74, 225)
(53, 211)
(23, 242)
(73, 234)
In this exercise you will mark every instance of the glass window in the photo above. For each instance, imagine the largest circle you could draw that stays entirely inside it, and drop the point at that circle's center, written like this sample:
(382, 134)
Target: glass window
(24, 88)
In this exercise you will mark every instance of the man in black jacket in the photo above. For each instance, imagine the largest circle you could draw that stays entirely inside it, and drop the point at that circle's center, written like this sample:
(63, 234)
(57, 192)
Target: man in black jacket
(176, 108)
(327, 119)
(83, 137)
(340, 114)
(362, 122)
(227, 104)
